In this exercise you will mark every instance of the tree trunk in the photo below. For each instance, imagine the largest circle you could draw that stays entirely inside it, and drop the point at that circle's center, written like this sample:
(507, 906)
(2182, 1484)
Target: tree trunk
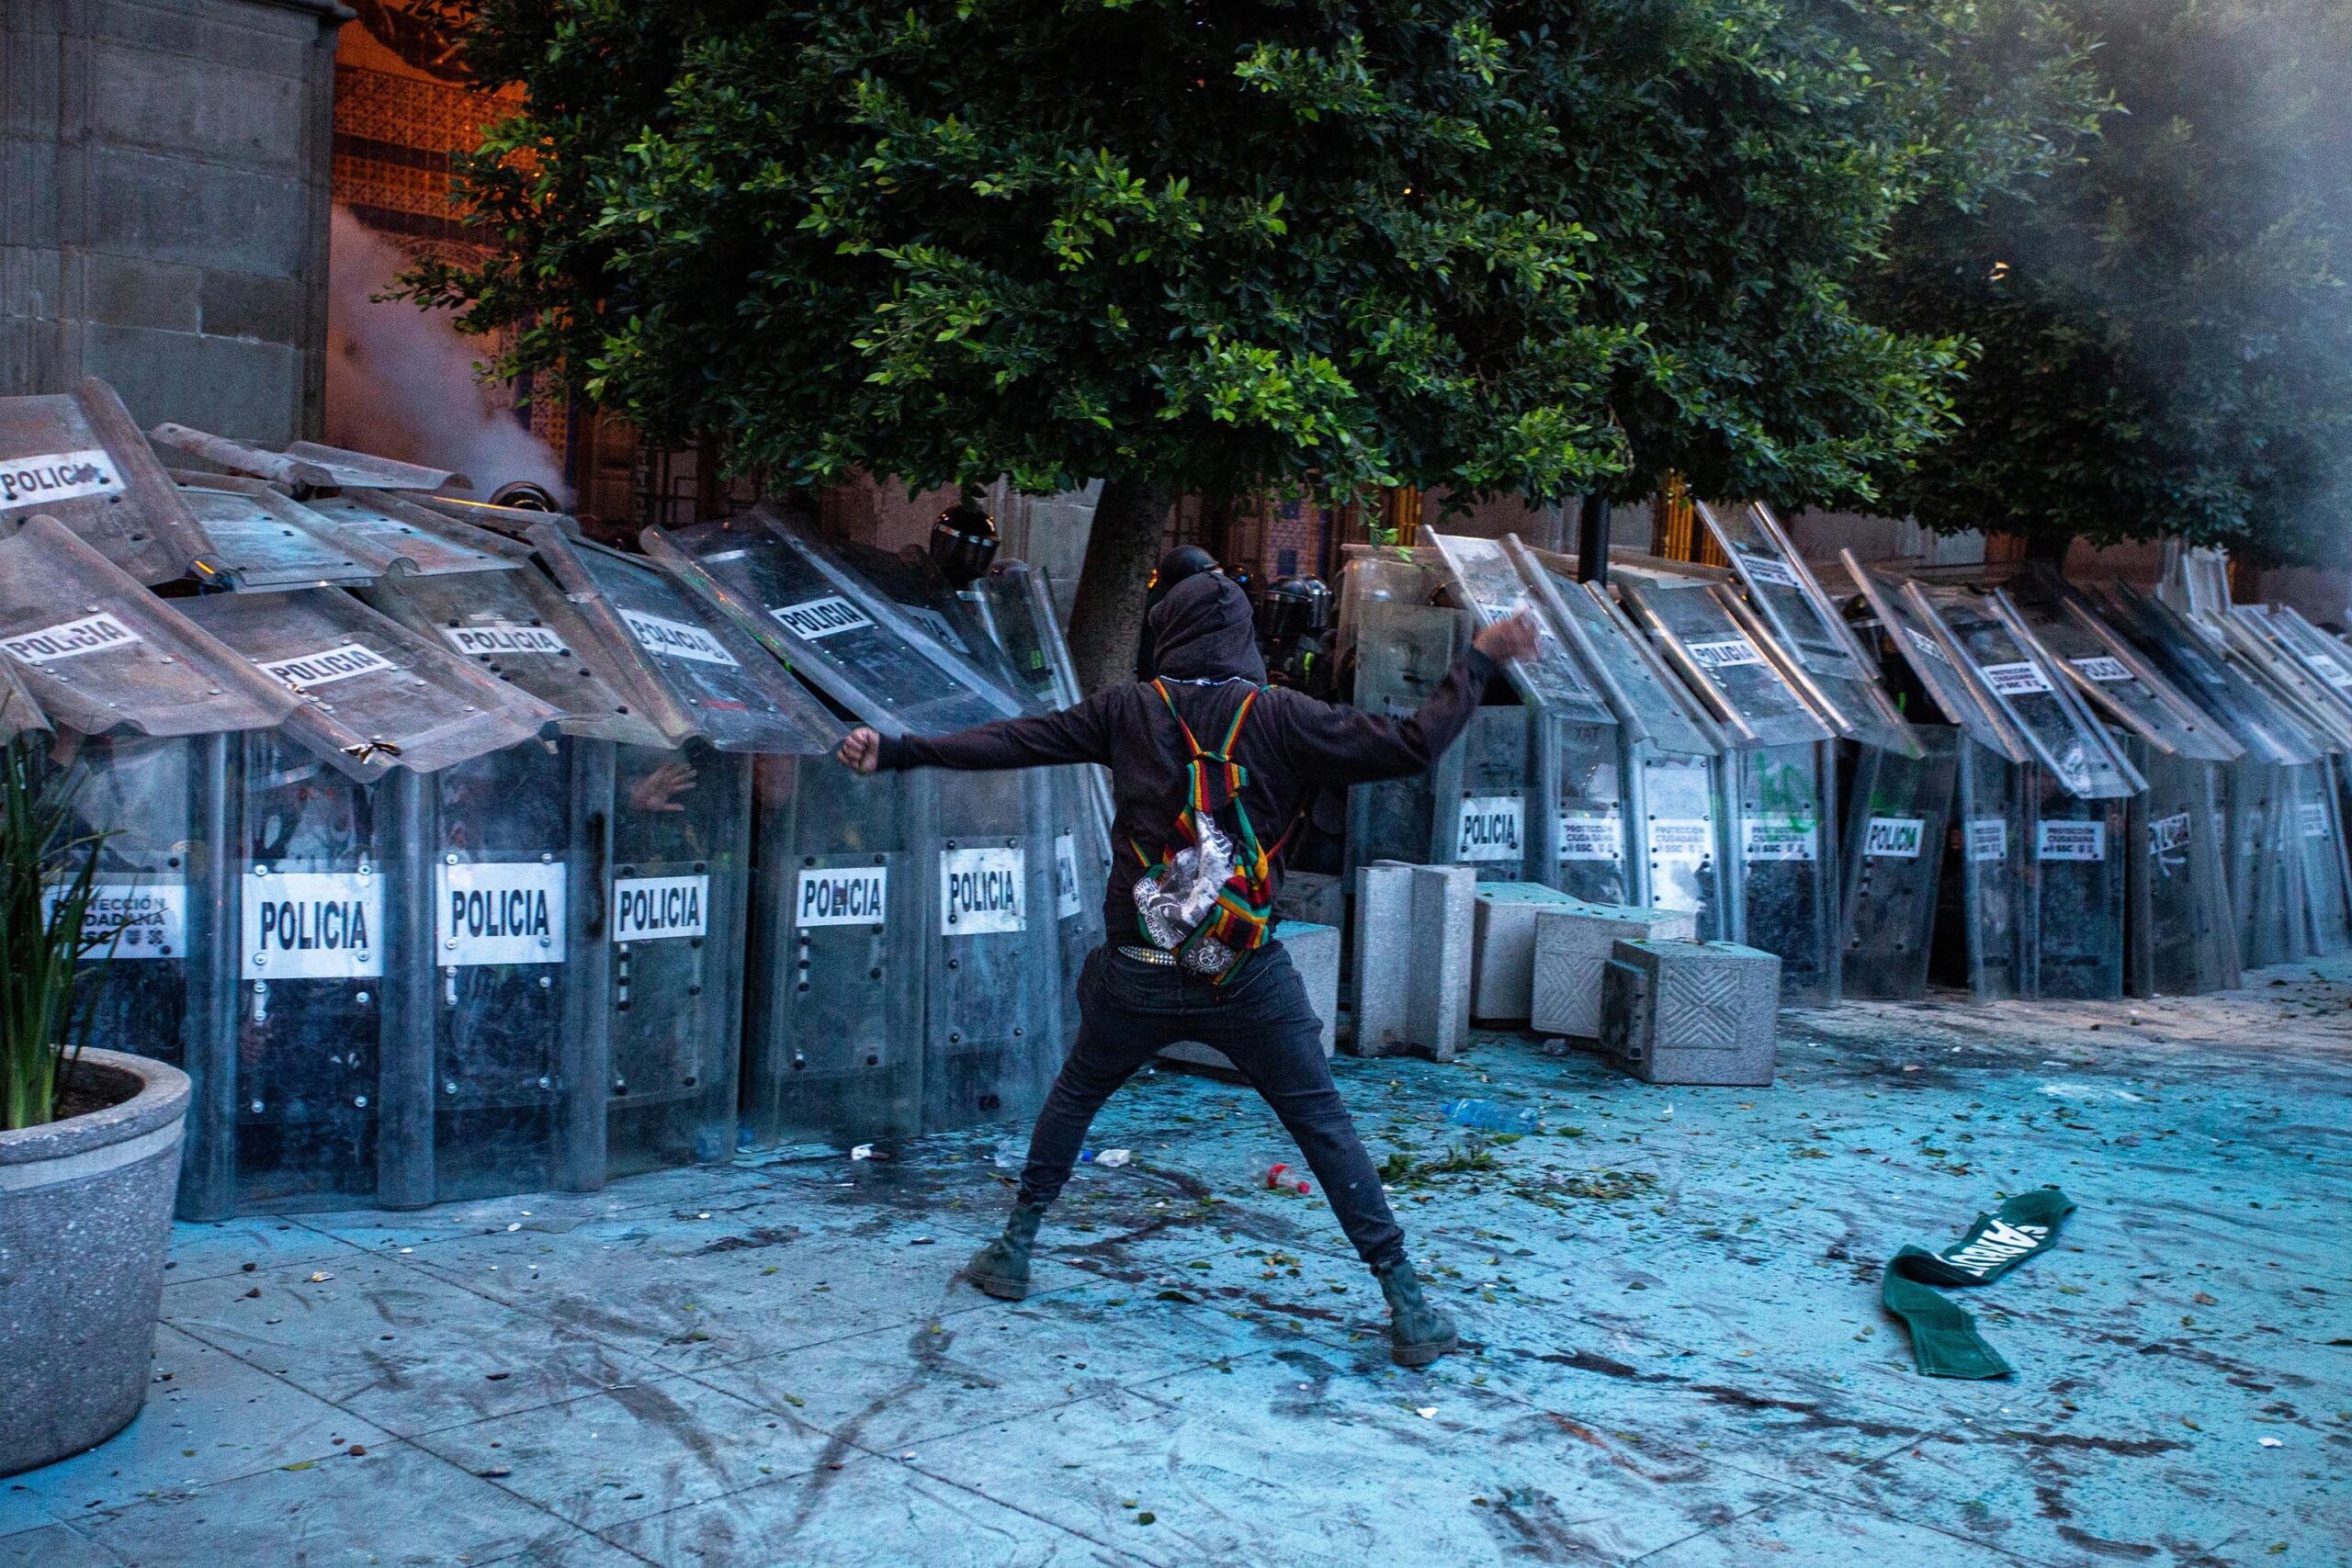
(2051, 547)
(1120, 553)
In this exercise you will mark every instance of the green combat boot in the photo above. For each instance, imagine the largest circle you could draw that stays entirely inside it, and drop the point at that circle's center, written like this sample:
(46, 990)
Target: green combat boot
(1002, 1268)
(1418, 1332)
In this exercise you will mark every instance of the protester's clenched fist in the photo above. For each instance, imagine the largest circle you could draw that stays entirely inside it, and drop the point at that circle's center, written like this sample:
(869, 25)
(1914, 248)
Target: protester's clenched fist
(862, 752)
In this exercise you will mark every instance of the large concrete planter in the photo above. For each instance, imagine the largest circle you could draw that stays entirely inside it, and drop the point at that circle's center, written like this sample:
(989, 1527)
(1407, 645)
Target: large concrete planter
(86, 1217)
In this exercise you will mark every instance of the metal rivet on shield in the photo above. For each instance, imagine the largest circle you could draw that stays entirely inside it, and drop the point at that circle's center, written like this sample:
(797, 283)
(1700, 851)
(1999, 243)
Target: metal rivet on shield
(448, 1088)
(260, 960)
(545, 858)
(360, 1100)
(545, 982)
(452, 942)
(256, 1107)
(361, 999)
(543, 1083)
(451, 859)
(260, 870)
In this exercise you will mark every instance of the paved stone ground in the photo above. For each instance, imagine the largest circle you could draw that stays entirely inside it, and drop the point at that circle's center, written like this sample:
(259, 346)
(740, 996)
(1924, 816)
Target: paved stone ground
(1679, 1357)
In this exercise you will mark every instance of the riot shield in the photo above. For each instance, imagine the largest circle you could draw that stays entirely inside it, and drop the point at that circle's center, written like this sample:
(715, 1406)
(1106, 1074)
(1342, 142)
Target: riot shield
(837, 961)
(831, 625)
(1680, 840)
(2182, 936)
(1720, 658)
(2118, 680)
(405, 538)
(1404, 650)
(2078, 884)
(1927, 649)
(2318, 834)
(1899, 815)
(1490, 583)
(77, 457)
(1997, 657)
(518, 627)
(306, 465)
(98, 653)
(324, 1097)
(1785, 867)
(497, 840)
(1819, 652)
(373, 696)
(1993, 902)
(694, 673)
(264, 540)
(674, 924)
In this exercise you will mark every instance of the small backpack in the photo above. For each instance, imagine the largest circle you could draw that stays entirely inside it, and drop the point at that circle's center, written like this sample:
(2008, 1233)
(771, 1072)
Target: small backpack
(1209, 898)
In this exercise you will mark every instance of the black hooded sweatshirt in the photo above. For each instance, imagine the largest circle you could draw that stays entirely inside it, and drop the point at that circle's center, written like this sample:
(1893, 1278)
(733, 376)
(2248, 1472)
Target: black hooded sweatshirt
(1208, 654)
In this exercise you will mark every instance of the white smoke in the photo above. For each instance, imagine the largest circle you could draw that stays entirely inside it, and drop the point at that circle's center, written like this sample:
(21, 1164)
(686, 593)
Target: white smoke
(400, 382)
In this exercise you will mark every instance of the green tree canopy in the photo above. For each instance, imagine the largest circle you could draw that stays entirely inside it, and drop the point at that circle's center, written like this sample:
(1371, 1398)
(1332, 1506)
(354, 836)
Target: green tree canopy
(1537, 248)
(2165, 327)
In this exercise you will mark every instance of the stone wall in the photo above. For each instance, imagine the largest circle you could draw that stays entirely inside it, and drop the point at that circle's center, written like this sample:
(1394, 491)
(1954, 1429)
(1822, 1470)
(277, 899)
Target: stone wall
(163, 187)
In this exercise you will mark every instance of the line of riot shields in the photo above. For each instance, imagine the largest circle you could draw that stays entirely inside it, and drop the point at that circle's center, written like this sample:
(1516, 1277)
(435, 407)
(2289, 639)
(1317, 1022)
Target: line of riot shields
(453, 854)
(1992, 780)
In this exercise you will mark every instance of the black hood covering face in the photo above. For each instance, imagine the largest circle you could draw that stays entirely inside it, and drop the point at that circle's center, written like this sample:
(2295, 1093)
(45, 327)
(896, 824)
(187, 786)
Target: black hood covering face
(1204, 631)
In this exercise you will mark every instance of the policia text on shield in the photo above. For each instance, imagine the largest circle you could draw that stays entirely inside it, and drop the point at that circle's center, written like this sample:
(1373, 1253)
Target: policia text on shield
(1143, 988)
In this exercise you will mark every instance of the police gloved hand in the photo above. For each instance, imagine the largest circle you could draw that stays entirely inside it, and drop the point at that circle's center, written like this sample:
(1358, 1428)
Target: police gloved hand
(862, 752)
(1511, 637)
(658, 790)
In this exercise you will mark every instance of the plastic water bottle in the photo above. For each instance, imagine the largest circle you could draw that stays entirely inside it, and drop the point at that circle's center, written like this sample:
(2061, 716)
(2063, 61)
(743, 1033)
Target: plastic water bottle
(1287, 1179)
(1489, 1115)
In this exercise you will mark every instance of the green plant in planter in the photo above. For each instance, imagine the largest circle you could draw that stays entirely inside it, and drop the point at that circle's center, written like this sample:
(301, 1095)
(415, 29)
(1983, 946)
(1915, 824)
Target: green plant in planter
(49, 980)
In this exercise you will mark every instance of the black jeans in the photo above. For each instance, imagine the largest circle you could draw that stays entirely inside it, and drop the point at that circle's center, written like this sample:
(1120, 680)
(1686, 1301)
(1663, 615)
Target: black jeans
(1262, 1022)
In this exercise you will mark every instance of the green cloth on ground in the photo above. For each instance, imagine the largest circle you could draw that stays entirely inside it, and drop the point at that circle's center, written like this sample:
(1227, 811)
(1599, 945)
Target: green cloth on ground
(1943, 1334)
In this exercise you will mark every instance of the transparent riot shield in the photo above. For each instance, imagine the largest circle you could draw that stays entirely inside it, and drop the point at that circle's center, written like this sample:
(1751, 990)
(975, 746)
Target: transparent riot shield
(2120, 680)
(1819, 653)
(1586, 769)
(1489, 796)
(831, 625)
(306, 465)
(162, 887)
(695, 673)
(1785, 867)
(331, 1083)
(2182, 937)
(1490, 583)
(1998, 658)
(2318, 834)
(2257, 804)
(1375, 574)
(837, 968)
(77, 457)
(374, 696)
(1720, 658)
(498, 842)
(386, 528)
(517, 626)
(1990, 895)
(1403, 652)
(2076, 880)
(992, 1014)
(1680, 840)
(263, 539)
(1899, 815)
(98, 653)
(675, 918)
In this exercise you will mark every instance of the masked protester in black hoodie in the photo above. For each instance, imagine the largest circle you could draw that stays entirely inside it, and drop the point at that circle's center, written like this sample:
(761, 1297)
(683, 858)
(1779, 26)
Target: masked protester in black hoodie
(1133, 995)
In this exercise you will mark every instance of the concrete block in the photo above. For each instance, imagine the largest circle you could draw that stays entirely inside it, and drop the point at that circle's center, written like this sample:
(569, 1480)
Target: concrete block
(1691, 1012)
(1572, 942)
(249, 391)
(1502, 948)
(203, 214)
(244, 304)
(1437, 1009)
(125, 292)
(1315, 953)
(1383, 934)
(154, 100)
(1313, 897)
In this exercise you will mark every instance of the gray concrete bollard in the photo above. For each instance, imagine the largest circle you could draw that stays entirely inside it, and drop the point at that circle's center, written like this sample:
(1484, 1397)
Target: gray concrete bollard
(1383, 934)
(1437, 1010)
(1502, 948)
(1315, 953)
(1690, 1012)
(1571, 945)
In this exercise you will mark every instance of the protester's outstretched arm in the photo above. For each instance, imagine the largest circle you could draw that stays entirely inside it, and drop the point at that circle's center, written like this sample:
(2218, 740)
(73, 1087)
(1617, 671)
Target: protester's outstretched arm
(1074, 735)
(1345, 746)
